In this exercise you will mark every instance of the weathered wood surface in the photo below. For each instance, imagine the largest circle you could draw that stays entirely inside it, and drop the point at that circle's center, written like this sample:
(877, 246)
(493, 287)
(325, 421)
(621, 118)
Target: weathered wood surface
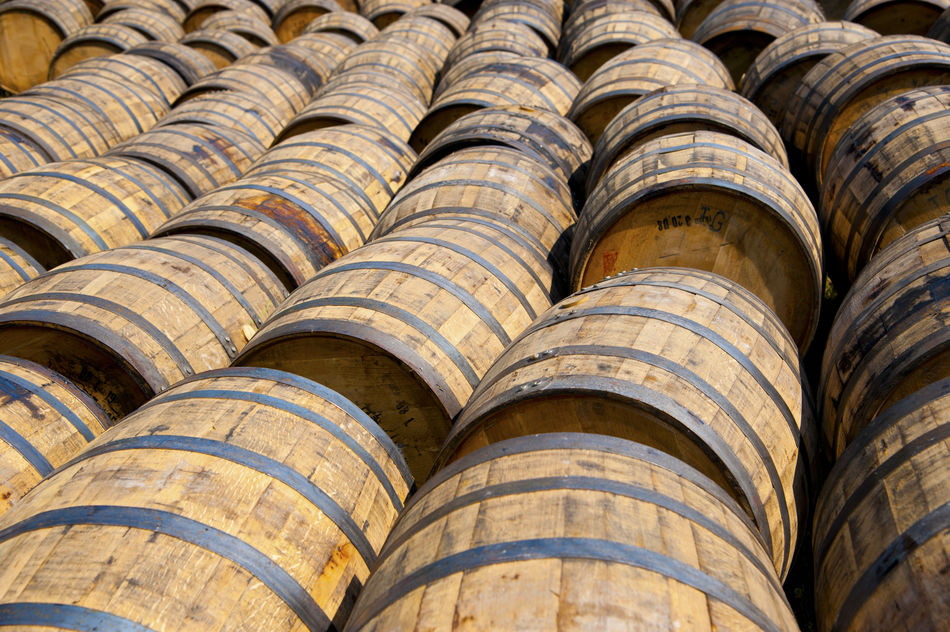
(351, 25)
(249, 112)
(128, 323)
(67, 210)
(881, 524)
(18, 153)
(382, 13)
(889, 337)
(222, 48)
(293, 18)
(451, 17)
(44, 421)
(682, 360)
(243, 499)
(190, 64)
(288, 93)
(414, 64)
(710, 201)
(168, 7)
(95, 40)
(640, 70)
(775, 74)
(17, 266)
(138, 72)
(312, 70)
(206, 8)
(153, 23)
(496, 36)
(246, 25)
(544, 18)
(406, 325)
(572, 532)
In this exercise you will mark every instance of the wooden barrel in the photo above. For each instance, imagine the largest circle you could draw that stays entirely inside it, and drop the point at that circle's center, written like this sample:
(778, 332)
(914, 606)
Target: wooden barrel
(247, 26)
(168, 7)
(940, 29)
(62, 127)
(332, 46)
(312, 70)
(294, 16)
(351, 25)
(691, 13)
(469, 64)
(848, 83)
(199, 157)
(455, 20)
(888, 339)
(18, 153)
(544, 18)
(530, 82)
(184, 60)
(95, 40)
(640, 70)
(127, 323)
(710, 201)
(382, 13)
(392, 109)
(685, 361)
(239, 483)
(567, 531)
(46, 420)
(881, 522)
(69, 209)
(247, 112)
(294, 222)
(545, 136)
(887, 175)
(738, 30)
(775, 74)
(588, 10)
(496, 36)
(489, 185)
(30, 31)
(136, 71)
(609, 35)
(429, 33)
(675, 110)
(17, 266)
(406, 325)
(222, 48)
(893, 17)
(285, 91)
(206, 8)
(403, 59)
(152, 23)
(370, 161)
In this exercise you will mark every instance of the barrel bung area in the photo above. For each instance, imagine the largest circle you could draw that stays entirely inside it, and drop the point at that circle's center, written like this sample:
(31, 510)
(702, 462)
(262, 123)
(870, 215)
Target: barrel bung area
(474, 315)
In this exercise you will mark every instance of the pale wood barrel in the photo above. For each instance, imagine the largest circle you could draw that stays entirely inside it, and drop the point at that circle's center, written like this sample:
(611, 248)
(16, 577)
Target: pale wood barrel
(283, 89)
(351, 25)
(127, 323)
(682, 360)
(206, 8)
(410, 62)
(572, 532)
(774, 76)
(30, 31)
(190, 64)
(199, 157)
(333, 46)
(468, 65)
(312, 70)
(17, 266)
(848, 83)
(45, 421)
(489, 185)
(18, 153)
(168, 7)
(382, 13)
(154, 24)
(603, 38)
(666, 8)
(526, 81)
(95, 40)
(496, 36)
(370, 161)
(247, 26)
(406, 325)
(222, 48)
(710, 201)
(582, 12)
(640, 70)
(247, 112)
(242, 498)
(893, 17)
(374, 99)
(451, 17)
(544, 18)
(431, 34)
(738, 30)
(293, 18)
(888, 338)
(548, 137)
(674, 110)
(881, 523)
(887, 175)
(144, 73)
(70, 209)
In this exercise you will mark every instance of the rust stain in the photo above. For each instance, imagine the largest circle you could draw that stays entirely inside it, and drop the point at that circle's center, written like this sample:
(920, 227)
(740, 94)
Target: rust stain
(296, 220)
(933, 170)
(610, 262)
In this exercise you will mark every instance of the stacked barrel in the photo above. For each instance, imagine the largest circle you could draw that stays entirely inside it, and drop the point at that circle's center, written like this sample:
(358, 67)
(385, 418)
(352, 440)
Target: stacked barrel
(266, 265)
